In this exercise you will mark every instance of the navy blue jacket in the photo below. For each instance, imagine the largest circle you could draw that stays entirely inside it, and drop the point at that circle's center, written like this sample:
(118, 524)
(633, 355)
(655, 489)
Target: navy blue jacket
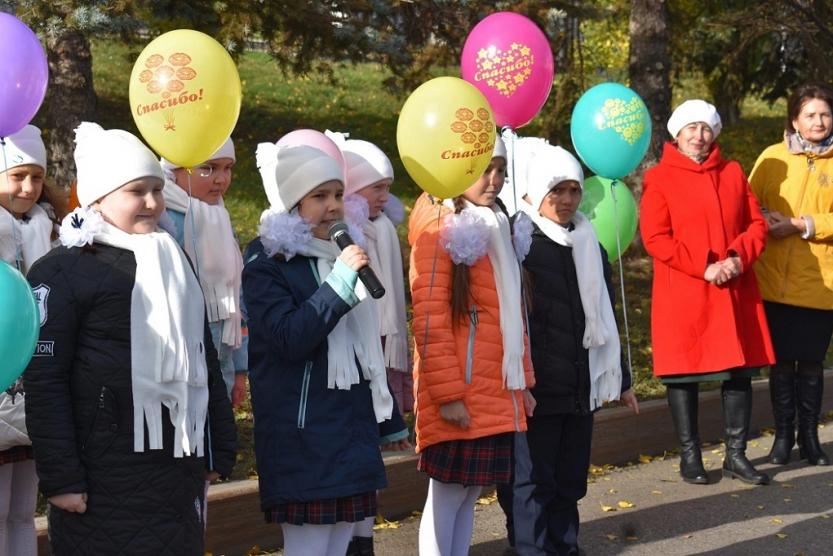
(311, 442)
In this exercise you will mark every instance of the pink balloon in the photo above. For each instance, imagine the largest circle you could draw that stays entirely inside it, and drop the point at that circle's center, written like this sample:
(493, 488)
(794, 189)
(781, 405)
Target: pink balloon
(509, 59)
(315, 139)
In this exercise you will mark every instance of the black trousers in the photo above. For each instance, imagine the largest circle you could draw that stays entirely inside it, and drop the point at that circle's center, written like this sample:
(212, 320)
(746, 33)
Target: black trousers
(551, 463)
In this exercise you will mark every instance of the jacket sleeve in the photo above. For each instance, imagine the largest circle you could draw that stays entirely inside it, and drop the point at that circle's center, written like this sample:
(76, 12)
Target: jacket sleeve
(750, 243)
(823, 224)
(393, 429)
(431, 271)
(659, 240)
(295, 329)
(222, 430)
(49, 411)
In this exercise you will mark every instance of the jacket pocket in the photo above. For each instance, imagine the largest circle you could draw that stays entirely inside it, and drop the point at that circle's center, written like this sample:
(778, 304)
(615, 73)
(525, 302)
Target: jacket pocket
(470, 345)
(302, 404)
(105, 424)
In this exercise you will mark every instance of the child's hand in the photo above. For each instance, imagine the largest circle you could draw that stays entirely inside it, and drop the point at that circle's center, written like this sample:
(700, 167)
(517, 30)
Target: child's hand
(354, 257)
(455, 413)
(629, 399)
(70, 502)
(398, 446)
(238, 391)
(529, 403)
(716, 274)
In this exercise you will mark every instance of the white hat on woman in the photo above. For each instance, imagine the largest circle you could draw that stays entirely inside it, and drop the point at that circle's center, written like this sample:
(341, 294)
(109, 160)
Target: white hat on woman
(692, 111)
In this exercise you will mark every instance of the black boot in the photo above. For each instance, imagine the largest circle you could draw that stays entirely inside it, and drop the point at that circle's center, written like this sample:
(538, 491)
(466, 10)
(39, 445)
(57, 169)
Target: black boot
(360, 546)
(737, 409)
(682, 399)
(810, 388)
(782, 395)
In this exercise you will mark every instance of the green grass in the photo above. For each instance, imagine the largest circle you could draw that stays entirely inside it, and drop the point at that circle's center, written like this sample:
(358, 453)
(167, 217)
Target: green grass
(274, 104)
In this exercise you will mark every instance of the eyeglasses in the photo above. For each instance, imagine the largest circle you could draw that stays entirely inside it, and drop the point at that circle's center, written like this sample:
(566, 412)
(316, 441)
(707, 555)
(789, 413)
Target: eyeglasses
(208, 170)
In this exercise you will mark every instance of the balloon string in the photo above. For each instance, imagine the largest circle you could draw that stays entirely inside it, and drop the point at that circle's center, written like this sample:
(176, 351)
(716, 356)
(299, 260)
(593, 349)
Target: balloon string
(190, 216)
(18, 253)
(510, 135)
(621, 274)
(431, 284)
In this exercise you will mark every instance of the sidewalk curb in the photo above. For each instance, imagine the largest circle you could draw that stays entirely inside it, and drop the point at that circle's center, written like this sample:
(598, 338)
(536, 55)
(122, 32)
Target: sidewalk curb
(236, 524)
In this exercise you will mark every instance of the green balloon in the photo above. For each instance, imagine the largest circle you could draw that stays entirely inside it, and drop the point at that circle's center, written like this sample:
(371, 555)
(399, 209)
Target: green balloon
(19, 324)
(609, 204)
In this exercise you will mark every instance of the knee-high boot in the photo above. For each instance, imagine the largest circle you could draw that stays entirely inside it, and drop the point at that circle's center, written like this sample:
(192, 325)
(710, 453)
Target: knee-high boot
(737, 410)
(683, 399)
(782, 395)
(810, 388)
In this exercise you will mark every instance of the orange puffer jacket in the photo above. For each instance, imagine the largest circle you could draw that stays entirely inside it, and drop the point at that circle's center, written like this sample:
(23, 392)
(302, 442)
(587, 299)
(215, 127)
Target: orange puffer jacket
(459, 361)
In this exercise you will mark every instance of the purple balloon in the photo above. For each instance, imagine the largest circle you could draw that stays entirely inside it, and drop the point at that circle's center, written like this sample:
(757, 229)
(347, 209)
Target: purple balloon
(23, 74)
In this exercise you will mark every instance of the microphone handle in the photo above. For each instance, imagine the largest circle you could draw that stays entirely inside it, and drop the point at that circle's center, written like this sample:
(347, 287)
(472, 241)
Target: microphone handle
(371, 282)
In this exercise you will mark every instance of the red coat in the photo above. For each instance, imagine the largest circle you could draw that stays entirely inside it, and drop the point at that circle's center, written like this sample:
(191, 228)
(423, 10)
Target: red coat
(692, 215)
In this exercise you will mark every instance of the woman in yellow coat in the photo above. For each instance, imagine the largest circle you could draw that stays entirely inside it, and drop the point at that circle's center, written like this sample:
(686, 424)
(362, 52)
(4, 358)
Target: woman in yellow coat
(793, 180)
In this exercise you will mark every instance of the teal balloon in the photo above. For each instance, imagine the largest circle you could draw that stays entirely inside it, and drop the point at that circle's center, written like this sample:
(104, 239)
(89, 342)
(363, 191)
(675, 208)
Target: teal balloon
(19, 324)
(611, 129)
(609, 204)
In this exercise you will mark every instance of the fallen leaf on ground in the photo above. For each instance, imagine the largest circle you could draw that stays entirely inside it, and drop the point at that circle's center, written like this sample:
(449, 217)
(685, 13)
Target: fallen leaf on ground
(776, 520)
(735, 495)
(787, 485)
(760, 506)
(624, 504)
(631, 538)
(657, 492)
(611, 537)
(644, 458)
(612, 491)
(788, 499)
(781, 535)
(607, 508)
(386, 524)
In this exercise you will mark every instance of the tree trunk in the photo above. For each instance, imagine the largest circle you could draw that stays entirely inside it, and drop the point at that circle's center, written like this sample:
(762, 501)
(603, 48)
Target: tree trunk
(649, 69)
(70, 98)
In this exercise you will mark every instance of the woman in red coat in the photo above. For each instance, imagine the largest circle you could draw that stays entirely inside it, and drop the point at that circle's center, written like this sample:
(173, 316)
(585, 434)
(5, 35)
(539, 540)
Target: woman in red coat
(704, 229)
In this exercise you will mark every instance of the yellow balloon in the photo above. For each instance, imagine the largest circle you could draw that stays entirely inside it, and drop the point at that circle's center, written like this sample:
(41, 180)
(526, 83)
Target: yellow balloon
(185, 96)
(445, 135)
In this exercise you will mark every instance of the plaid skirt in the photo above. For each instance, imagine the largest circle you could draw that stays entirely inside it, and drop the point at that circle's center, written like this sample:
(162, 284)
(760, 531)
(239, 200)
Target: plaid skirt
(325, 512)
(15, 454)
(478, 462)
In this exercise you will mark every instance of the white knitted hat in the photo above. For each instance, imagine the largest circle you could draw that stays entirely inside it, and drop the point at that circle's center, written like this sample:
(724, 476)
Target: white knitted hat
(24, 147)
(106, 159)
(692, 111)
(289, 173)
(500, 148)
(226, 150)
(366, 163)
(547, 166)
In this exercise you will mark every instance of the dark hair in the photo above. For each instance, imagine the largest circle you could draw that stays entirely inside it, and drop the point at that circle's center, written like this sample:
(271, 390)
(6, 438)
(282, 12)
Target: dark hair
(801, 95)
(460, 290)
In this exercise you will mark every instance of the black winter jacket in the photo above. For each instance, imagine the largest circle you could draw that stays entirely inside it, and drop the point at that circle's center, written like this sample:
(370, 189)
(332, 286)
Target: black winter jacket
(556, 327)
(79, 415)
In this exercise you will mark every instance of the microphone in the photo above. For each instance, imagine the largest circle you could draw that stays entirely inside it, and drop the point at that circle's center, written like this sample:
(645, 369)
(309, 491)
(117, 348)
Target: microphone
(339, 234)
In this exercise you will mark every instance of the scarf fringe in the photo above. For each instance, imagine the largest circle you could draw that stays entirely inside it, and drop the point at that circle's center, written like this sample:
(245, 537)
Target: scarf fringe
(396, 352)
(605, 388)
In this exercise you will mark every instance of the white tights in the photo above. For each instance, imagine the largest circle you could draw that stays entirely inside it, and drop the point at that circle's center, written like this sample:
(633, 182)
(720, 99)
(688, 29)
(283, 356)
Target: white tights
(447, 519)
(316, 540)
(18, 496)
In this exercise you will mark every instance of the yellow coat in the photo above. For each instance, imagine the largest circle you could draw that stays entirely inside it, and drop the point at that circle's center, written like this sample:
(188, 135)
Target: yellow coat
(793, 270)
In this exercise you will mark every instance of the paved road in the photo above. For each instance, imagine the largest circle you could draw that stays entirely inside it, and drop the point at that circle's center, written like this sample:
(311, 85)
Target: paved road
(793, 515)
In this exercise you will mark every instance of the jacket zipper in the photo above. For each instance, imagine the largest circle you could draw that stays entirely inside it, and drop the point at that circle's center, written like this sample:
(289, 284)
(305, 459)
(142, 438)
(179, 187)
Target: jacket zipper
(810, 168)
(470, 346)
(302, 405)
(100, 407)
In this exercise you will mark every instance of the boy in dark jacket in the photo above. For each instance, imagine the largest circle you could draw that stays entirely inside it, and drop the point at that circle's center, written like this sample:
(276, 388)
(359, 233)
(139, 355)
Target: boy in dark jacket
(126, 406)
(575, 353)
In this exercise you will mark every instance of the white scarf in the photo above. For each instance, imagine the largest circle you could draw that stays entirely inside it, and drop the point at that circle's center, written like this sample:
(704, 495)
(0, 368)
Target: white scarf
(28, 239)
(601, 335)
(217, 258)
(356, 336)
(167, 330)
(506, 270)
(386, 259)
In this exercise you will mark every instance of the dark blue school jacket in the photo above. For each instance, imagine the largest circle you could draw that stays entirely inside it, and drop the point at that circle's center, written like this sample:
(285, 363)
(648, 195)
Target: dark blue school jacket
(311, 442)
